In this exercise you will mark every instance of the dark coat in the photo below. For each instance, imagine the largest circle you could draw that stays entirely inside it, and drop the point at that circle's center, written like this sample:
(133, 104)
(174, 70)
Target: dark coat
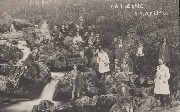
(120, 52)
(83, 60)
(79, 81)
(130, 64)
(166, 53)
(31, 59)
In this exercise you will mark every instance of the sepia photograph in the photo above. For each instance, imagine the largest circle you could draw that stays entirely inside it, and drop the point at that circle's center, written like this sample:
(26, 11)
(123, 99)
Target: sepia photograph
(89, 56)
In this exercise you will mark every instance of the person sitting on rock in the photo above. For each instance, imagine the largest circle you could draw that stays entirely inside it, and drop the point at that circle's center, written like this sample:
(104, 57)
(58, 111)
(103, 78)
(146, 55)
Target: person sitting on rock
(32, 62)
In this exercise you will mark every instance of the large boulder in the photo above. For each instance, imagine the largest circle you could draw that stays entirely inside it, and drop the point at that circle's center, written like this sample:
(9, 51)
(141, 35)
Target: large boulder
(86, 104)
(63, 88)
(5, 22)
(44, 105)
(10, 53)
(23, 84)
(19, 24)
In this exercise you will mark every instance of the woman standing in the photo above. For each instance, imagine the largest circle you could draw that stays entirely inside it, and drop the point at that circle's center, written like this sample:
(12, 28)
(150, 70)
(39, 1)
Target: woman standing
(103, 61)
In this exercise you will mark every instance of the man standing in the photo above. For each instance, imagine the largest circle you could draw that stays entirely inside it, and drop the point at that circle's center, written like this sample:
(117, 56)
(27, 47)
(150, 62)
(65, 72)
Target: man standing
(113, 46)
(97, 41)
(129, 62)
(120, 51)
(161, 84)
(140, 59)
(83, 61)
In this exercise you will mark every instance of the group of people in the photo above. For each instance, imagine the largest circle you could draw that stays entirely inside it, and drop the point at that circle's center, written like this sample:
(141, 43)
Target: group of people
(105, 63)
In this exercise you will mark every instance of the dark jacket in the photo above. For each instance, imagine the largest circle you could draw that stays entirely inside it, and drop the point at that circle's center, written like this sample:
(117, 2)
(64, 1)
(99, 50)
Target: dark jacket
(79, 80)
(165, 54)
(31, 59)
(83, 60)
(130, 64)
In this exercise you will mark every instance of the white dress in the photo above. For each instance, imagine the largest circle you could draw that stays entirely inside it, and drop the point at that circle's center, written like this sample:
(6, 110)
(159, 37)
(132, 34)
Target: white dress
(103, 61)
(12, 29)
(161, 80)
(45, 31)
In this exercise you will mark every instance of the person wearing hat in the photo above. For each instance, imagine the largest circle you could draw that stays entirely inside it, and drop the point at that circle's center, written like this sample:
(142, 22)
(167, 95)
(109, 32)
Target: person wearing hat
(32, 62)
(161, 88)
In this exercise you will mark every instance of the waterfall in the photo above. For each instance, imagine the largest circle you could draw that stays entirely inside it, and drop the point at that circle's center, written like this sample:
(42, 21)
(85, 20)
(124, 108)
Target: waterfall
(49, 89)
(47, 94)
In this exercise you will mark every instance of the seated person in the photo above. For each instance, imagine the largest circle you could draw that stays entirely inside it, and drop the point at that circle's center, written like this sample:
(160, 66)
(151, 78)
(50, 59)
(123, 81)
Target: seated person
(32, 62)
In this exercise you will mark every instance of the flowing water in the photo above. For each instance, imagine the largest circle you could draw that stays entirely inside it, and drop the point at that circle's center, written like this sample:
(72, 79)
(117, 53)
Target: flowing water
(47, 94)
